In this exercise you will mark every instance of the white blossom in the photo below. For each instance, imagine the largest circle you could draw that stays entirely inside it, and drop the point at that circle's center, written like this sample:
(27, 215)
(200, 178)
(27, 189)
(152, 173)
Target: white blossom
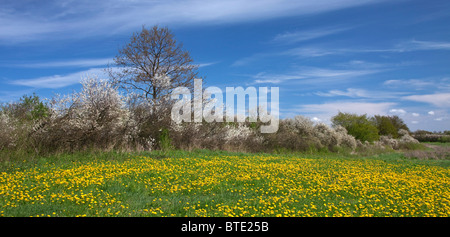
(161, 81)
(237, 132)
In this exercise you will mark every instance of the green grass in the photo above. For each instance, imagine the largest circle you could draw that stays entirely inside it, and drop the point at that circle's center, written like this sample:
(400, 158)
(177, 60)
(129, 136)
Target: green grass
(443, 144)
(218, 183)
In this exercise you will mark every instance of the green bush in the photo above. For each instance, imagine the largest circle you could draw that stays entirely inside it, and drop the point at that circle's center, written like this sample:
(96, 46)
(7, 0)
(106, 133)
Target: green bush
(358, 126)
(389, 125)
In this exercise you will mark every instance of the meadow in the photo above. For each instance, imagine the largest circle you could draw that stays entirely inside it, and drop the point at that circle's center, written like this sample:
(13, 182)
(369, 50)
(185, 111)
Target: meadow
(206, 183)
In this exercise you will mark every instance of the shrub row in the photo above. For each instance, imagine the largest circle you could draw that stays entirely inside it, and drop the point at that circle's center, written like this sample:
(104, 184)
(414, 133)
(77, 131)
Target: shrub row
(99, 117)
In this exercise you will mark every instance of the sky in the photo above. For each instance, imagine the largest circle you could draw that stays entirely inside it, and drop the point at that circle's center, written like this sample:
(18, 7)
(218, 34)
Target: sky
(374, 57)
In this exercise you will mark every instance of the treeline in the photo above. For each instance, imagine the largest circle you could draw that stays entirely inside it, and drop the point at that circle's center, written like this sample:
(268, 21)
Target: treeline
(381, 130)
(427, 136)
(379, 127)
(100, 117)
(370, 129)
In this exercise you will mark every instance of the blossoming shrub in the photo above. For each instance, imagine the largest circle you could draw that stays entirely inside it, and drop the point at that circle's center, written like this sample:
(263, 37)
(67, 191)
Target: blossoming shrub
(7, 135)
(405, 141)
(302, 134)
(95, 117)
(216, 136)
(99, 117)
(426, 136)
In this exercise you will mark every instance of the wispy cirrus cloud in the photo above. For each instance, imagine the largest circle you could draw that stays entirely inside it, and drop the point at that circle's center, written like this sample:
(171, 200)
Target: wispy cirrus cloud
(405, 46)
(416, 83)
(350, 92)
(58, 81)
(63, 63)
(207, 64)
(313, 75)
(25, 21)
(414, 45)
(441, 84)
(76, 63)
(253, 58)
(304, 35)
(361, 93)
(311, 52)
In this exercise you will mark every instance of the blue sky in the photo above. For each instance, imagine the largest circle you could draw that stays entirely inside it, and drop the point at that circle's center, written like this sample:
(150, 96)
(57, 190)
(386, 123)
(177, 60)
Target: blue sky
(358, 56)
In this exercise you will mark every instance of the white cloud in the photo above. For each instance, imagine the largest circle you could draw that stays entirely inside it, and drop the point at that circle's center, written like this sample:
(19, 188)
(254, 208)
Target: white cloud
(263, 77)
(349, 107)
(323, 72)
(397, 111)
(27, 22)
(298, 36)
(406, 46)
(206, 64)
(314, 75)
(251, 59)
(414, 45)
(66, 63)
(435, 120)
(58, 81)
(269, 81)
(361, 93)
(350, 92)
(410, 83)
(438, 99)
(309, 52)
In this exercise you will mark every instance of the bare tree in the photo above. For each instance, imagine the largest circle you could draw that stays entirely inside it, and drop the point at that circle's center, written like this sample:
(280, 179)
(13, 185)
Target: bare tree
(151, 65)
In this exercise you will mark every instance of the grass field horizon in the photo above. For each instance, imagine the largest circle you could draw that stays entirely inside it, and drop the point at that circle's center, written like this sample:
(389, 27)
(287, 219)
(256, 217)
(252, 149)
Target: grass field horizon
(204, 183)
